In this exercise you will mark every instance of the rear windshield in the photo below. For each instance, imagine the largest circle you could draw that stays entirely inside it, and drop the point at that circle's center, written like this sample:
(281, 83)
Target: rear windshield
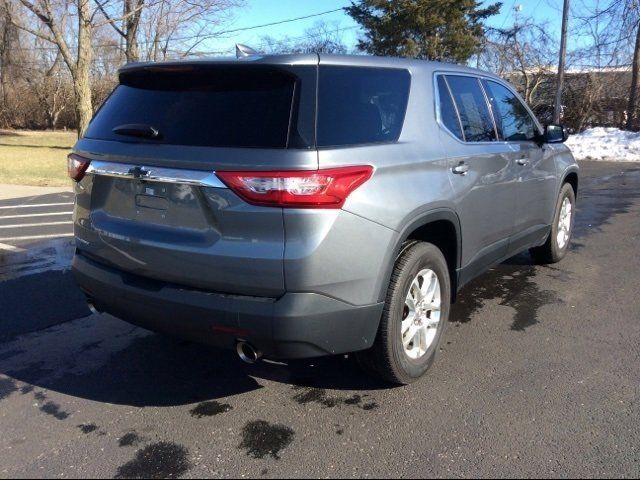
(358, 105)
(213, 106)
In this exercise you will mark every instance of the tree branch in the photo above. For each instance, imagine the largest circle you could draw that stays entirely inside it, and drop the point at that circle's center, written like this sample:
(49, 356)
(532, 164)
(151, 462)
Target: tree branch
(109, 19)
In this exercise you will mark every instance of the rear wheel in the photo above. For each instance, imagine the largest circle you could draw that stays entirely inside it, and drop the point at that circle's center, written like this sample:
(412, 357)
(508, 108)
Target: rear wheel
(414, 318)
(557, 245)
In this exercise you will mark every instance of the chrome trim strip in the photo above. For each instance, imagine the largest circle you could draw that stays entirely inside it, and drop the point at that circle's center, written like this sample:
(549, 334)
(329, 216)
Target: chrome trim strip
(198, 178)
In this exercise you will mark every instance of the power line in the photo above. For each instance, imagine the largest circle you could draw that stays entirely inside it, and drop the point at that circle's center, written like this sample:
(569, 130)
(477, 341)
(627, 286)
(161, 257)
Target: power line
(226, 32)
(204, 37)
(284, 41)
(513, 5)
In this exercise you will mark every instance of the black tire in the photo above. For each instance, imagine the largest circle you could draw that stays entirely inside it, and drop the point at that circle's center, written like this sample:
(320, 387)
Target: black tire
(551, 252)
(387, 358)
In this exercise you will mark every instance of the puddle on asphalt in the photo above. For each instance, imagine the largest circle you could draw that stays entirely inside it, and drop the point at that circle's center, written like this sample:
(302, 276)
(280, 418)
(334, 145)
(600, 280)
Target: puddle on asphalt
(210, 409)
(130, 439)
(261, 439)
(55, 410)
(160, 460)
(7, 387)
(319, 396)
(88, 428)
(514, 286)
(604, 198)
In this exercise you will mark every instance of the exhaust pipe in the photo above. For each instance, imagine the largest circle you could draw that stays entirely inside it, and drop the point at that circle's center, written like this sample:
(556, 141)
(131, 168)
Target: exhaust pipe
(93, 309)
(247, 353)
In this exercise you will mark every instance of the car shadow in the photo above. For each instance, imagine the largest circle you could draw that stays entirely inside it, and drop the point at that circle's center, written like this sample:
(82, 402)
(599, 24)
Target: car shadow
(154, 370)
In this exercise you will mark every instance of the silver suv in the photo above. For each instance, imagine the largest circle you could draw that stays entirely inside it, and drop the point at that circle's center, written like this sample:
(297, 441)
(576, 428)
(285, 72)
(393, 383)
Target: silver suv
(299, 206)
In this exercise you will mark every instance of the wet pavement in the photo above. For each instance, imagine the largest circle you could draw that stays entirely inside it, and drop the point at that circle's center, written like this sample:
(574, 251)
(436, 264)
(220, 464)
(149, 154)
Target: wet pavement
(539, 375)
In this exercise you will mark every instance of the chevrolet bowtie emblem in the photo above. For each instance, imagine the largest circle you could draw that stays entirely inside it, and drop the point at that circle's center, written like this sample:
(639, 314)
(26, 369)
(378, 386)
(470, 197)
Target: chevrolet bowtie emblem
(139, 172)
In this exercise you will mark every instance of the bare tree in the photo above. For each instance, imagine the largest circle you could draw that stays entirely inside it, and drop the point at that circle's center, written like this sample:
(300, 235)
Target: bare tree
(9, 59)
(620, 20)
(128, 26)
(176, 29)
(323, 37)
(71, 26)
(523, 54)
(46, 80)
(52, 22)
(633, 22)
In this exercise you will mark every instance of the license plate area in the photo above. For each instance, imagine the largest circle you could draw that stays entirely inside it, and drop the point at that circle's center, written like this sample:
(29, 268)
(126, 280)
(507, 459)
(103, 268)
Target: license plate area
(169, 205)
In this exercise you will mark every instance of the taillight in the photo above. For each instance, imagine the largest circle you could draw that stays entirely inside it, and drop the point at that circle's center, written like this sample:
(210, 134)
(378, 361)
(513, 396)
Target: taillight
(77, 166)
(326, 188)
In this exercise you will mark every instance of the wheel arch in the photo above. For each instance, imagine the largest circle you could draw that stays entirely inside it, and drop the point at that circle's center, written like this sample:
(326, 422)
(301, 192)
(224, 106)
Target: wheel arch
(440, 227)
(571, 177)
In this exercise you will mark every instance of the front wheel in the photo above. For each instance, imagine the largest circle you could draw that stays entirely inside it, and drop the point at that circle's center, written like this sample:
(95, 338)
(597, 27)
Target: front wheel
(414, 317)
(557, 245)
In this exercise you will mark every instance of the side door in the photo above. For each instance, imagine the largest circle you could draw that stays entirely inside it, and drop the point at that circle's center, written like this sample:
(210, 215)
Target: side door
(482, 174)
(536, 182)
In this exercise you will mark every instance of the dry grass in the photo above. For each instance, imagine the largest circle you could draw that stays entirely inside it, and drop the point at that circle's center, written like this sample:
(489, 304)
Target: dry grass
(35, 158)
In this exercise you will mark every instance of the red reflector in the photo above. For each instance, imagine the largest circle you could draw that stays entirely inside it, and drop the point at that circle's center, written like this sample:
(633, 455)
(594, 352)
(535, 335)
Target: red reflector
(325, 188)
(77, 166)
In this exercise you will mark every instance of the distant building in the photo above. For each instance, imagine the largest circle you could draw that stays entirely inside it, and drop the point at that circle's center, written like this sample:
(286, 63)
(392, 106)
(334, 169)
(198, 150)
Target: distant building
(592, 97)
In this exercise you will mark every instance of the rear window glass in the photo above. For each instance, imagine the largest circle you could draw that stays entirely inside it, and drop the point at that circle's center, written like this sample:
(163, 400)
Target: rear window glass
(215, 106)
(361, 105)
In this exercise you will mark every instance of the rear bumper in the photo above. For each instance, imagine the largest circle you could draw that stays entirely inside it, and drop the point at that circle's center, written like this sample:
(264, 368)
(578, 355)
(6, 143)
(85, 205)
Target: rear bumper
(296, 325)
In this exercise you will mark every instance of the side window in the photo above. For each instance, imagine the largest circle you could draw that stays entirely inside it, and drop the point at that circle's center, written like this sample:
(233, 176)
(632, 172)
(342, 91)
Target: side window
(448, 113)
(514, 121)
(475, 116)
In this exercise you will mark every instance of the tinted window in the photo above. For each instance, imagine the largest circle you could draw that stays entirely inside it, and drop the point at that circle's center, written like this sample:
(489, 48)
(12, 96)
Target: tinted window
(361, 105)
(208, 106)
(513, 119)
(448, 113)
(475, 116)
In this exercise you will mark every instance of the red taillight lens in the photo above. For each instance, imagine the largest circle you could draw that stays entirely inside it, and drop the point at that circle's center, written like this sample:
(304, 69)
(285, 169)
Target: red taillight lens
(77, 166)
(327, 188)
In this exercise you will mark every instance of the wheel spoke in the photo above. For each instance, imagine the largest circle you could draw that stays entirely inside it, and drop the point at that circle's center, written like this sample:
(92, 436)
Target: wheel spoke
(415, 291)
(429, 287)
(407, 322)
(433, 322)
(410, 334)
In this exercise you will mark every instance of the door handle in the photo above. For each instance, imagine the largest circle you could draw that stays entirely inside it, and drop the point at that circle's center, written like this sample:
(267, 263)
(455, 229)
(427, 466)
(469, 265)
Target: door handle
(523, 161)
(461, 169)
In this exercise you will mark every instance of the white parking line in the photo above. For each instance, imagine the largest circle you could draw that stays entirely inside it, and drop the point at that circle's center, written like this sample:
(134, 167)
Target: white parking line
(36, 237)
(2, 217)
(11, 248)
(36, 206)
(25, 225)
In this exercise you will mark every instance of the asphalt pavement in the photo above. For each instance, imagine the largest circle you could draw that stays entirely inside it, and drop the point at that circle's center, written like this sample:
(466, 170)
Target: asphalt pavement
(538, 376)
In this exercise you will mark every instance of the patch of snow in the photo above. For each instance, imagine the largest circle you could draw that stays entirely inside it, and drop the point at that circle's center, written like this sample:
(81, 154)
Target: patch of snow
(608, 144)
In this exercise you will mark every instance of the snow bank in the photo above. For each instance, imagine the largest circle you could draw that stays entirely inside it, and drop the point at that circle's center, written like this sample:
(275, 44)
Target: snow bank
(610, 144)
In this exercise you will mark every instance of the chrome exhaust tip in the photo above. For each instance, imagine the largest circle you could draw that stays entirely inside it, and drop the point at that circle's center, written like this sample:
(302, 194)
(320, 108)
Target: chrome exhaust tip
(247, 353)
(93, 309)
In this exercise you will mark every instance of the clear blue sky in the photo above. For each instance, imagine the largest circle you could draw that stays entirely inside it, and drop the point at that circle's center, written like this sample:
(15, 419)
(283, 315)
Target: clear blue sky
(257, 12)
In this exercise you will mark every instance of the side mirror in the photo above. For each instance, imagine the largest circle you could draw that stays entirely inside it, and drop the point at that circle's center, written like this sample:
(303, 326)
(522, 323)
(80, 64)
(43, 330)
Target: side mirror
(555, 134)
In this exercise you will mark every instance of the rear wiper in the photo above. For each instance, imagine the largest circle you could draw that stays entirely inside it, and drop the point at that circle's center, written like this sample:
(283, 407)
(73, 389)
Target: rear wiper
(137, 130)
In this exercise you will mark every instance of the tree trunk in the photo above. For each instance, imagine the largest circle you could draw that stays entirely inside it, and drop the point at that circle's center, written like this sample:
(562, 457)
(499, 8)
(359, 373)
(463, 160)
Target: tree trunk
(82, 74)
(632, 107)
(132, 22)
(9, 37)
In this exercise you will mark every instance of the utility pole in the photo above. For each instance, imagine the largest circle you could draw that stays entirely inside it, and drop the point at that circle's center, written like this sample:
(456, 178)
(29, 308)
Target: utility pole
(557, 111)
